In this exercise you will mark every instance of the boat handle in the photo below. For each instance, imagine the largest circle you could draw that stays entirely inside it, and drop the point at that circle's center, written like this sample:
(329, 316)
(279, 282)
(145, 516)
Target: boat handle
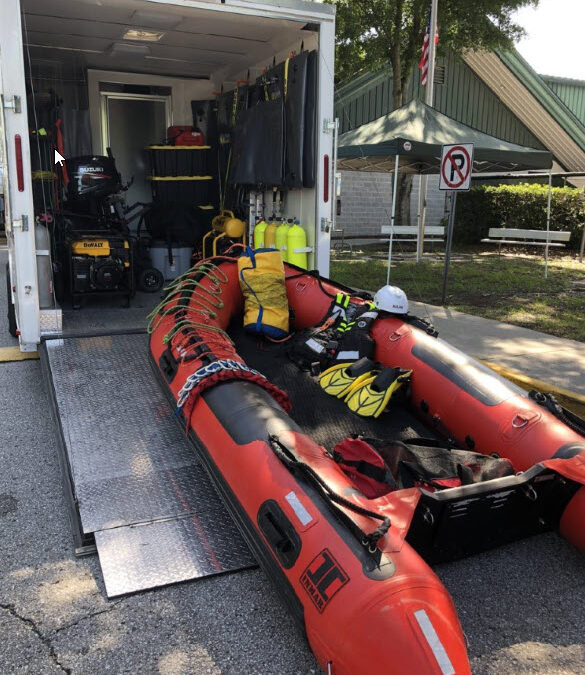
(518, 422)
(394, 337)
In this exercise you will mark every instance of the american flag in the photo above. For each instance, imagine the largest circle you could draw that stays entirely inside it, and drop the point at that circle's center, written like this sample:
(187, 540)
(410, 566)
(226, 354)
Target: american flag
(423, 64)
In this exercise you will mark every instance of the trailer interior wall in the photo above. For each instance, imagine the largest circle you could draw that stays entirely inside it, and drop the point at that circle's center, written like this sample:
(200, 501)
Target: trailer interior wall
(300, 203)
(183, 91)
(73, 45)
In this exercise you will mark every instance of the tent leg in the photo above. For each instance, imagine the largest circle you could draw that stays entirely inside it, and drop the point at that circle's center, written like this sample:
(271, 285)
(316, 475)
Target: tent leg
(420, 232)
(392, 216)
(547, 224)
(448, 246)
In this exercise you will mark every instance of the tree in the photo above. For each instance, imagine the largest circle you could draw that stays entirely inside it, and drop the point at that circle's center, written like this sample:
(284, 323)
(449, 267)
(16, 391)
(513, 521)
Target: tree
(372, 34)
(376, 33)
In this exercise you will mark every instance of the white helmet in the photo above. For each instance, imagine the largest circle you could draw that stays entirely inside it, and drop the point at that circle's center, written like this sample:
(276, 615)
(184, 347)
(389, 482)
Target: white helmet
(391, 299)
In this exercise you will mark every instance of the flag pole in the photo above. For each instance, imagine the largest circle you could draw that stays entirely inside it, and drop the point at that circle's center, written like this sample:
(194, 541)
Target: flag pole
(429, 101)
(432, 53)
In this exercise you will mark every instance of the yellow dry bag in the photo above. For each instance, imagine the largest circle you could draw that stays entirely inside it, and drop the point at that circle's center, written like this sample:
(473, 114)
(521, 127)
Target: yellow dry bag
(262, 282)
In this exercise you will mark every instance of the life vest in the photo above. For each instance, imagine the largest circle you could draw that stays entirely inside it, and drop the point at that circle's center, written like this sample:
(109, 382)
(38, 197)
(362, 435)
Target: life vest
(343, 335)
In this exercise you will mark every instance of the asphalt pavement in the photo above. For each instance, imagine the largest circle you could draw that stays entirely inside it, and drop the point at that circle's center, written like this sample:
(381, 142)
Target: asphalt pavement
(522, 606)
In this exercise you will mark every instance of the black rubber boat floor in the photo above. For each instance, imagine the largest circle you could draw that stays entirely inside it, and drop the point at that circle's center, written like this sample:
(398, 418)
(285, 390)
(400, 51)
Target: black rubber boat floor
(325, 418)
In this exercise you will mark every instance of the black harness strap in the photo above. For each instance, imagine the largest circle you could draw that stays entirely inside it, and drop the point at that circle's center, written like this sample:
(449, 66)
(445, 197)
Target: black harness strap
(365, 468)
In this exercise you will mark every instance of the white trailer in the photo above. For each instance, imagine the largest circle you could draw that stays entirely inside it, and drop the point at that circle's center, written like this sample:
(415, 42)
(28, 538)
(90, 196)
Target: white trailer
(206, 45)
(137, 492)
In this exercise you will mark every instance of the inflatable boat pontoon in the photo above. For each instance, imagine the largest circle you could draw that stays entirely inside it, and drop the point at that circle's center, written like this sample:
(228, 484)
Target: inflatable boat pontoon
(348, 545)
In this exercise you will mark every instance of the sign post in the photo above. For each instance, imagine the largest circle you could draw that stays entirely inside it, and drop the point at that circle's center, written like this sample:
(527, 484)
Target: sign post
(455, 176)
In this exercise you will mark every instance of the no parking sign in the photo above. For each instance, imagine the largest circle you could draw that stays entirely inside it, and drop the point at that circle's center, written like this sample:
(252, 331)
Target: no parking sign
(456, 165)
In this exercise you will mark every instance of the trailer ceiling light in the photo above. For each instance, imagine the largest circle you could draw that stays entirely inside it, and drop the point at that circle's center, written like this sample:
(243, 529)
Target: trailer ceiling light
(118, 48)
(143, 34)
(153, 20)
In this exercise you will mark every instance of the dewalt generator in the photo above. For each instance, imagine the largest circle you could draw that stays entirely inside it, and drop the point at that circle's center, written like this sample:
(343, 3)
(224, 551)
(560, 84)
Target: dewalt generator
(100, 264)
(95, 241)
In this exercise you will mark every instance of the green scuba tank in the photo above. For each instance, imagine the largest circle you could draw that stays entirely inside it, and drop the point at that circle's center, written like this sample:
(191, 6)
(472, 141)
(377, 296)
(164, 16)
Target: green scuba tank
(282, 239)
(259, 232)
(297, 239)
(270, 235)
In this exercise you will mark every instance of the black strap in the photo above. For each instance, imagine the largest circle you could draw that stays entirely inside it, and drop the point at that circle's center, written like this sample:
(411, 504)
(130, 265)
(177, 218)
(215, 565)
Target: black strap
(431, 443)
(423, 324)
(368, 540)
(424, 442)
(370, 470)
(549, 402)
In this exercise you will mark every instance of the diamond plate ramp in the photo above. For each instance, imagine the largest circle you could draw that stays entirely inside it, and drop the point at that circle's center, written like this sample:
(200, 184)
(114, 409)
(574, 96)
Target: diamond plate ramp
(137, 557)
(137, 483)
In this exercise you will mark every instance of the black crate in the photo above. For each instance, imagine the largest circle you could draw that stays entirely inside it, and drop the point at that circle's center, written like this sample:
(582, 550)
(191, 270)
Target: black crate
(179, 160)
(193, 190)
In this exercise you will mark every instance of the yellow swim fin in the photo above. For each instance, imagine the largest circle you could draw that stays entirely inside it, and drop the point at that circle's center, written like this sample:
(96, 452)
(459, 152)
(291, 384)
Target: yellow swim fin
(371, 396)
(340, 378)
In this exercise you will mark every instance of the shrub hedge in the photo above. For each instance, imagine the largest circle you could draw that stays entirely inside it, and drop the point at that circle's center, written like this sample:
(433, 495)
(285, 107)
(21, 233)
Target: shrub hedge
(521, 206)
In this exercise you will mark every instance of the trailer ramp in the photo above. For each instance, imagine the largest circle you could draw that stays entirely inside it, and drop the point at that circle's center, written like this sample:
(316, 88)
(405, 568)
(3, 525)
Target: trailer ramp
(136, 488)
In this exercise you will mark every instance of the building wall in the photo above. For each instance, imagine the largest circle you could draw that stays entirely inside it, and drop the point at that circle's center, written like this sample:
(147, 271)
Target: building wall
(366, 202)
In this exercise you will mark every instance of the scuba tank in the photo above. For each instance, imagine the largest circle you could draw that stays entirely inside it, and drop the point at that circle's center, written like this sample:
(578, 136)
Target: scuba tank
(297, 238)
(270, 235)
(259, 232)
(282, 239)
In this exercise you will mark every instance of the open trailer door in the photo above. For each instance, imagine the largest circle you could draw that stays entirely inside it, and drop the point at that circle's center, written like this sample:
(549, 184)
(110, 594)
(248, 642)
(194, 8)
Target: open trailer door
(19, 212)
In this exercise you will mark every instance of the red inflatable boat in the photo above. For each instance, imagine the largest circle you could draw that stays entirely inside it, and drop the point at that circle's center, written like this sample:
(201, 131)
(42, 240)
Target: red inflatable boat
(348, 550)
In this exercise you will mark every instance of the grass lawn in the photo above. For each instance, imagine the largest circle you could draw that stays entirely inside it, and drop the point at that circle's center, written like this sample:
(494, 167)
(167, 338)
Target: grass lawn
(510, 288)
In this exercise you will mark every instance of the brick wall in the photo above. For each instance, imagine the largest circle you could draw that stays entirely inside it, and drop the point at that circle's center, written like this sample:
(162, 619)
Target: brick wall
(366, 201)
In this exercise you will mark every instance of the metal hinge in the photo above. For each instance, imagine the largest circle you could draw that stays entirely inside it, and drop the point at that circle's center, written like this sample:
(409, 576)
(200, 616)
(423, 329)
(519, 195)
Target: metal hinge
(326, 224)
(21, 224)
(329, 126)
(13, 103)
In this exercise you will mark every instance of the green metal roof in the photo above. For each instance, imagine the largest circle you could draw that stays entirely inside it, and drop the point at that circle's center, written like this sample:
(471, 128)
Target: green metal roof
(544, 95)
(463, 96)
(571, 92)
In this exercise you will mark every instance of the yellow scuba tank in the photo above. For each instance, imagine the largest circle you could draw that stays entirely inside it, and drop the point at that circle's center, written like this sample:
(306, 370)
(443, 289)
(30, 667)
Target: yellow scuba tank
(259, 231)
(281, 239)
(270, 235)
(297, 238)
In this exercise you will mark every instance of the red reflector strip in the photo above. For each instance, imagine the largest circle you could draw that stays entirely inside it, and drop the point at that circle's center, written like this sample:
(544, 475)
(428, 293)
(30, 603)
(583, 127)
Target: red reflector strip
(325, 178)
(19, 169)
